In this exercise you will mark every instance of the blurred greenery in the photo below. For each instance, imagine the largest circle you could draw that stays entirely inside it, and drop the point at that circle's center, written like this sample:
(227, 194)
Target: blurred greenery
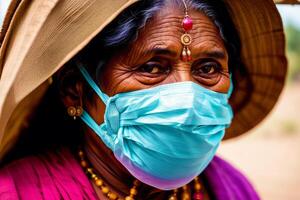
(293, 51)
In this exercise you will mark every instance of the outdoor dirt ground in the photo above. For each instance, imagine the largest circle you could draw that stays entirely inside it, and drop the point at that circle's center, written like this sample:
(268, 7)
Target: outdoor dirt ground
(270, 154)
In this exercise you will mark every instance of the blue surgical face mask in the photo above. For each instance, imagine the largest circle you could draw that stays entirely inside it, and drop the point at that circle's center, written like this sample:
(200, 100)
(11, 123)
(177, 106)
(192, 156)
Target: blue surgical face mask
(166, 135)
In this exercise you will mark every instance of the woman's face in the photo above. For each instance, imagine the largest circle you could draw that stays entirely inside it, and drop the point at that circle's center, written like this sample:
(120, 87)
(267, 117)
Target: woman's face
(154, 58)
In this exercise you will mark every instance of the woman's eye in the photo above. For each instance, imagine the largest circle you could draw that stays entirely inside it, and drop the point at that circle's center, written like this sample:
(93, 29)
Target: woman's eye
(153, 68)
(152, 72)
(207, 69)
(207, 72)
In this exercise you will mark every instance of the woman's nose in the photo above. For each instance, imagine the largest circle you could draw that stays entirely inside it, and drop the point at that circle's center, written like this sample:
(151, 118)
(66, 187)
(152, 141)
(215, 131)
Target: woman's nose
(182, 74)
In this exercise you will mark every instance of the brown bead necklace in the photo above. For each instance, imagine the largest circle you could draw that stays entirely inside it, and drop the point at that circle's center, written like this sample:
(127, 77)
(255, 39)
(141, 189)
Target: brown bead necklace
(185, 194)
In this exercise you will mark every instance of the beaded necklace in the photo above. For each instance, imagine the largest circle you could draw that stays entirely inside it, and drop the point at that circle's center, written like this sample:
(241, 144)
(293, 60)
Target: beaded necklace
(106, 191)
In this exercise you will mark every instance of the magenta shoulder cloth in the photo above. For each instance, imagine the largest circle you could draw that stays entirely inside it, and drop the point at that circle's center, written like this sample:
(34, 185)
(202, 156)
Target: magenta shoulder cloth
(51, 176)
(54, 176)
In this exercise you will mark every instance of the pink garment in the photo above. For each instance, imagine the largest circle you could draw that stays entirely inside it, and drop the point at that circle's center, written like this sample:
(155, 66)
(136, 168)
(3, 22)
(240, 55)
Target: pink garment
(57, 175)
(46, 177)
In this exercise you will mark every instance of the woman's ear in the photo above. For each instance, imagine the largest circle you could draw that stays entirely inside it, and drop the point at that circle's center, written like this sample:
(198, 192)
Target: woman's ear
(73, 95)
(70, 86)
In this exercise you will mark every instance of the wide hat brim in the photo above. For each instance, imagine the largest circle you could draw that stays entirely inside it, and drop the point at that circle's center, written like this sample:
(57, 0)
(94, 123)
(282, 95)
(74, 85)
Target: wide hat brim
(39, 37)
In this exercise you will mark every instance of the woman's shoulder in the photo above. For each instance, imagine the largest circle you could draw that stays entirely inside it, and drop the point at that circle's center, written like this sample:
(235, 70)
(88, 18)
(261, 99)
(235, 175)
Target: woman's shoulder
(51, 175)
(227, 182)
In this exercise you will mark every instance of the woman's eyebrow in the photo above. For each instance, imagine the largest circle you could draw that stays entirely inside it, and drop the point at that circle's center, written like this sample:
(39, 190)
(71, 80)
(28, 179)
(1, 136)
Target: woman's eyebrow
(217, 54)
(160, 51)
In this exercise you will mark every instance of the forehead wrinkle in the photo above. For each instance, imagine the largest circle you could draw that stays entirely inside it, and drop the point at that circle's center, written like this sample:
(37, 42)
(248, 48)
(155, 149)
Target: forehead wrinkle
(207, 34)
(180, 18)
(133, 53)
(178, 24)
(160, 51)
(163, 45)
(210, 35)
(142, 51)
(160, 46)
(171, 40)
(162, 31)
(206, 31)
(198, 19)
(170, 18)
(166, 16)
(208, 44)
(204, 28)
(168, 25)
(155, 38)
(175, 20)
(204, 21)
(163, 24)
(159, 36)
(206, 37)
(210, 49)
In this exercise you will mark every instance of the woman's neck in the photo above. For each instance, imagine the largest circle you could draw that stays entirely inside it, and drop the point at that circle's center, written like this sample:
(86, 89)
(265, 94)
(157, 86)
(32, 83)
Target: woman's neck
(106, 166)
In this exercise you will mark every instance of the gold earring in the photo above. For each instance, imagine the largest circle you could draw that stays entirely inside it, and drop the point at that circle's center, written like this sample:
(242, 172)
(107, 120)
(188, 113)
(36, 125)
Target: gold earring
(75, 112)
(72, 111)
(79, 111)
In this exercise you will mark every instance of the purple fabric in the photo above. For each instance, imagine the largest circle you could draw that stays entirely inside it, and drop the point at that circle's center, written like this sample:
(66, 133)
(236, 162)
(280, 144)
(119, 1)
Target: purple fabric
(59, 176)
(226, 182)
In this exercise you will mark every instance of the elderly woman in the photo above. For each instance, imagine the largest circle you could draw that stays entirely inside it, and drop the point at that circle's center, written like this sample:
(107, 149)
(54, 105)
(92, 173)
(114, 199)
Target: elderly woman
(130, 99)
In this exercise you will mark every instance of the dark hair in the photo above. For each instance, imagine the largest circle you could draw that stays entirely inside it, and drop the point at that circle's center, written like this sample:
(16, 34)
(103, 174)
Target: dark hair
(117, 35)
(125, 28)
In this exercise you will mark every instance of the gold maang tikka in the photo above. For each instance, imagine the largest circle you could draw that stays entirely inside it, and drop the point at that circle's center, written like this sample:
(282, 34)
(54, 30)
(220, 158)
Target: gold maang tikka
(186, 38)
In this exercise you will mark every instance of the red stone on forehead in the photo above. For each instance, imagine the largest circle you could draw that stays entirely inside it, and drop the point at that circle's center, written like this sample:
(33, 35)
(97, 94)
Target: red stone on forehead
(187, 23)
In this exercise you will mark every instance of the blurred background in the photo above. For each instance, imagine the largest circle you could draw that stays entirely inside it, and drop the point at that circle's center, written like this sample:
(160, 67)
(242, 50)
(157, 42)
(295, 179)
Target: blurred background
(270, 154)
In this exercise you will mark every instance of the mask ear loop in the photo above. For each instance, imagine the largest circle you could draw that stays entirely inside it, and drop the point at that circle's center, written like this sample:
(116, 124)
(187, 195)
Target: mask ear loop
(92, 83)
(230, 87)
(86, 116)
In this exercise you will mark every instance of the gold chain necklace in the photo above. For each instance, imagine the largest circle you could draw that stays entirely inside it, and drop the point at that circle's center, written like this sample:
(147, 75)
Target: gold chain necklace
(185, 194)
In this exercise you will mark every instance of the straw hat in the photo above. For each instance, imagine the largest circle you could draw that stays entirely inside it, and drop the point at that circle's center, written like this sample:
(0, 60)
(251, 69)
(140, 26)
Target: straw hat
(38, 37)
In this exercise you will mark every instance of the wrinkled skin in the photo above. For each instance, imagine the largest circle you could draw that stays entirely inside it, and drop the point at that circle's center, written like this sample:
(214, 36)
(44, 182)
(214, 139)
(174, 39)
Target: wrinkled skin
(154, 59)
